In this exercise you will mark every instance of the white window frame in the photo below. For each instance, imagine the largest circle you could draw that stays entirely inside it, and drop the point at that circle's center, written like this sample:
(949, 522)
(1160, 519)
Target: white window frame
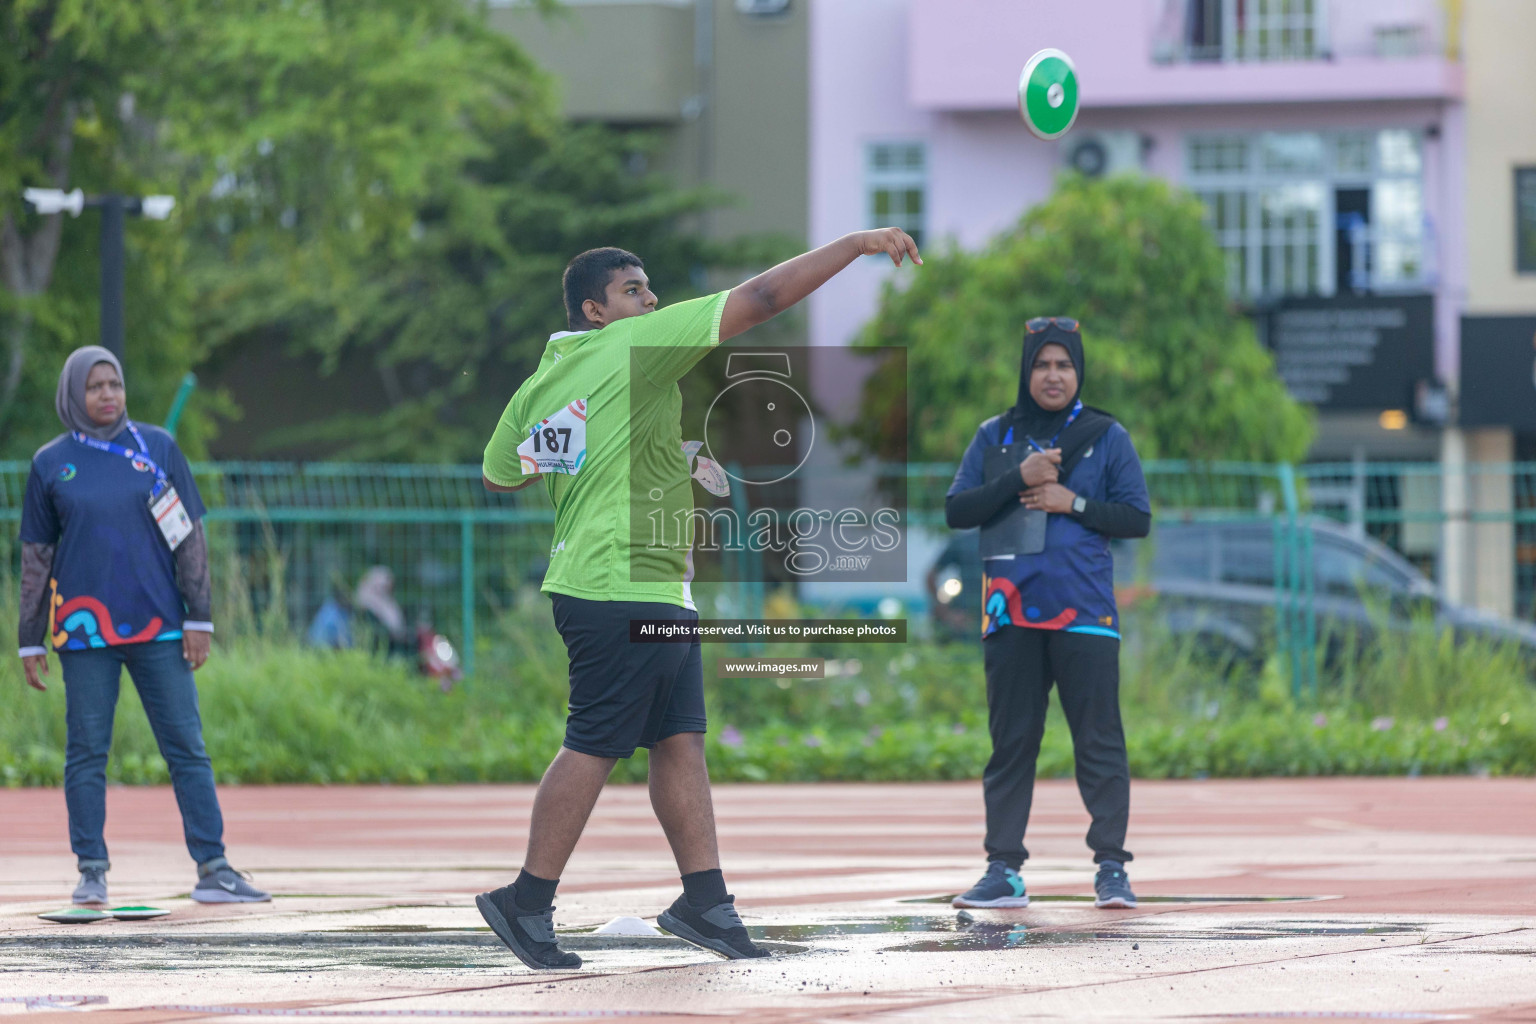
(1252, 183)
(1522, 173)
(1272, 30)
(905, 178)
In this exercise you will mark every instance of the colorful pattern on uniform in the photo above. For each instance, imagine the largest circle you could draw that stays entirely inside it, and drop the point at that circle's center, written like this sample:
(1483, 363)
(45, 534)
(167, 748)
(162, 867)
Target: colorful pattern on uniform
(114, 577)
(1070, 585)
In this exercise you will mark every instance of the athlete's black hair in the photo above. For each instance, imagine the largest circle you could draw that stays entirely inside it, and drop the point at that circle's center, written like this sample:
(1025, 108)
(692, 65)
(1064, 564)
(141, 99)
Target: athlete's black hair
(587, 277)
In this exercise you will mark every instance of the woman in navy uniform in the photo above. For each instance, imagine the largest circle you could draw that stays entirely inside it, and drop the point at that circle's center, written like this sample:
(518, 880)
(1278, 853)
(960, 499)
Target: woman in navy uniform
(115, 574)
(1049, 616)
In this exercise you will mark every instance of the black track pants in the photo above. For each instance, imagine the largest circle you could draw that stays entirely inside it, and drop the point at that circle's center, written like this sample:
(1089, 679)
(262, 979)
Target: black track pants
(1021, 665)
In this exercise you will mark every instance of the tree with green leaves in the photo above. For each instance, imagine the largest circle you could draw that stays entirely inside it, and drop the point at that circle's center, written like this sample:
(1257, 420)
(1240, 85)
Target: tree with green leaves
(1167, 352)
(375, 202)
(70, 72)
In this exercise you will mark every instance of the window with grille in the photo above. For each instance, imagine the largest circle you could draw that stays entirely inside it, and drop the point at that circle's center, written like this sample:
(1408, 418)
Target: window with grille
(1525, 220)
(896, 187)
(1253, 30)
(1314, 213)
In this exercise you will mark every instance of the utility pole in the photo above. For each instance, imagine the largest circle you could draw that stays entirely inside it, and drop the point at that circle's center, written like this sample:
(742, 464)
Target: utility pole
(114, 209)
(112, 257)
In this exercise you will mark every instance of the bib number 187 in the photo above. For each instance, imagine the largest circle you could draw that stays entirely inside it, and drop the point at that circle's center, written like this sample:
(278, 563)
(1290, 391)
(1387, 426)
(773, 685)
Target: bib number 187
(554, 440)
(557, 444)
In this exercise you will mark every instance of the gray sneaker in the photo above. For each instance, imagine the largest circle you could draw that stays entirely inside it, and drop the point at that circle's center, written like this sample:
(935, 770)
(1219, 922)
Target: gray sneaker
(92, 887)
(226, 885)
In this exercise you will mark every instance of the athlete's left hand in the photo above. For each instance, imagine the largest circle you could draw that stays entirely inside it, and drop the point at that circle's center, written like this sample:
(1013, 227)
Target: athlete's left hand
(194, 647)
(893, 242)
(1048, 498)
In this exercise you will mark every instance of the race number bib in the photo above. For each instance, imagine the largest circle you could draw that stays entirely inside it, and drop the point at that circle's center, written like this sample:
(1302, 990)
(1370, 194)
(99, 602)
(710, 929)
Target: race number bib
(170, 515)
(706, 470)
(557, 444)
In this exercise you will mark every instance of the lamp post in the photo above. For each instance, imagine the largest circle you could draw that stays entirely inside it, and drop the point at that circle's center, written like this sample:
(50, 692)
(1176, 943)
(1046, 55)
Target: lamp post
(114, 208)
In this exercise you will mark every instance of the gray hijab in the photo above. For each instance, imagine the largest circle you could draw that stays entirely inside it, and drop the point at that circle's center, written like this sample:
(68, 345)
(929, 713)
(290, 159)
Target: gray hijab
(69, 402)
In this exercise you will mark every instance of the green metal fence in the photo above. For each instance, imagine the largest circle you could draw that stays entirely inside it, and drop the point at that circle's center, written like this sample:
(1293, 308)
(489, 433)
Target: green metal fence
(1482, 516)
(285, 536)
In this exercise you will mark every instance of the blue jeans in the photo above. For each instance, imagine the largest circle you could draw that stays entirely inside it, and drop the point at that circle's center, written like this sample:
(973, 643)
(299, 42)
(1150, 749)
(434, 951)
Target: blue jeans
(164, 681)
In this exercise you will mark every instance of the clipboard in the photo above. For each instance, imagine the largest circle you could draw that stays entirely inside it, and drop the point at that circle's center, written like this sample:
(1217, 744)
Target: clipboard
(1015, 530)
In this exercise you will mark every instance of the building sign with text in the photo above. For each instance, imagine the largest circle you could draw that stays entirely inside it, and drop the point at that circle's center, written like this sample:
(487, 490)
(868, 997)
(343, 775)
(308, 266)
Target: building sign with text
(1362, 352)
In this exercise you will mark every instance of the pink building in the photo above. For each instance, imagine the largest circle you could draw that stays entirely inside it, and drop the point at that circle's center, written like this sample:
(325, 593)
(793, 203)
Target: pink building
(1325, 136)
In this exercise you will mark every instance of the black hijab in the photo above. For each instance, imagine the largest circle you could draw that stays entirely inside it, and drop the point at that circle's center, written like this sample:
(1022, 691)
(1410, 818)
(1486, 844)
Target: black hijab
(1029, 420)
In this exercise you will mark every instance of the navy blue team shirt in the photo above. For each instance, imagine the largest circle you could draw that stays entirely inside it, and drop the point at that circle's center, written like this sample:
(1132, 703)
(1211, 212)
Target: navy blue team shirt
(1070, 585)
(114, 576)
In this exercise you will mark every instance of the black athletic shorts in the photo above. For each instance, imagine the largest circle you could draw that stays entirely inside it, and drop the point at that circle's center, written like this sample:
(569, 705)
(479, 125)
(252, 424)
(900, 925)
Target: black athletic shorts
(626, 695)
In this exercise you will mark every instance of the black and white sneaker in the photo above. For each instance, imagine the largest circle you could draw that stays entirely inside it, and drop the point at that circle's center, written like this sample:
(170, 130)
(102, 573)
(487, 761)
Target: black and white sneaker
(718, 929)
(530, 935)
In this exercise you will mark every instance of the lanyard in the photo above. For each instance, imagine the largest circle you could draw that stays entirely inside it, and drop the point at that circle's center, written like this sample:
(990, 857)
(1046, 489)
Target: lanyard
(142, 455)
(1077, 408)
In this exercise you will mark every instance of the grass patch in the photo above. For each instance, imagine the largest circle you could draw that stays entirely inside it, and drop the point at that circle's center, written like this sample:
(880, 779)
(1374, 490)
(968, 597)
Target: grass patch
(275, 712)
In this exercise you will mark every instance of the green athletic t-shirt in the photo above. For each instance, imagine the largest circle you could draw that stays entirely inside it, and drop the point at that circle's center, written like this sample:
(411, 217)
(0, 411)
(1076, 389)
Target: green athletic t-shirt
(622, 519)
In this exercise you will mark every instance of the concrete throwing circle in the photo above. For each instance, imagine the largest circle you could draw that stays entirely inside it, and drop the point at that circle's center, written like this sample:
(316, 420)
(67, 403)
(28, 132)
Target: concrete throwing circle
(384, 948)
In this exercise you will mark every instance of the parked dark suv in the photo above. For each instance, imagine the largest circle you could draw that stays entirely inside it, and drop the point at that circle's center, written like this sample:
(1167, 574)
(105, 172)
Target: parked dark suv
(1216, 580)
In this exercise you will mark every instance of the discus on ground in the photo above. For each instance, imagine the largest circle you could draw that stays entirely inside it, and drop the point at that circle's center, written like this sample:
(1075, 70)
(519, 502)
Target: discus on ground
(75, 915)
(1048, 94)
(137, 913)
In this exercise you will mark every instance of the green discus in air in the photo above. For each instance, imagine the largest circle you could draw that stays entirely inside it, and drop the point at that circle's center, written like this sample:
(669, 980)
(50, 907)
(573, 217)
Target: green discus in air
(1048, 94)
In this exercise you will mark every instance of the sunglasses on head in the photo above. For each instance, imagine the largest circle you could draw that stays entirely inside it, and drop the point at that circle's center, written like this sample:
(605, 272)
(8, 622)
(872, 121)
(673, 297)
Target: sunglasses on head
(1040, 323)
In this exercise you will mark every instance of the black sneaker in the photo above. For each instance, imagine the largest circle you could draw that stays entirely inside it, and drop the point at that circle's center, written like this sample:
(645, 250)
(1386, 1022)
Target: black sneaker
(718, 929)
(1111, 888)
(530, 935)
(1001, 886)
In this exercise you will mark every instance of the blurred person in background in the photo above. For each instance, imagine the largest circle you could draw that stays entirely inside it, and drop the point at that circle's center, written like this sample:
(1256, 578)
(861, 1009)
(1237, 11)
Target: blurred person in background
(1048, 604)
(332, 625)
(382, 615)
(114, 574)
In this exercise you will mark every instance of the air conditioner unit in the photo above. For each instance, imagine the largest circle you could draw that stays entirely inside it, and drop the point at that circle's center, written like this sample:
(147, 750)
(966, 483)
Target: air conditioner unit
(762, 8)
(1095, 154)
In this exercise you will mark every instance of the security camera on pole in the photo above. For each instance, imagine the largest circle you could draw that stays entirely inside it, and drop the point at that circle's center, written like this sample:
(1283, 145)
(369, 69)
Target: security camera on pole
(113, 209)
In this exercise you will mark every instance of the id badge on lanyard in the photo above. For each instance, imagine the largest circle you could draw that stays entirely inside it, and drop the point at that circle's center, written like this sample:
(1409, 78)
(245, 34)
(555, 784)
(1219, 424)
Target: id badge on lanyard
(169, 513)
(165, 506)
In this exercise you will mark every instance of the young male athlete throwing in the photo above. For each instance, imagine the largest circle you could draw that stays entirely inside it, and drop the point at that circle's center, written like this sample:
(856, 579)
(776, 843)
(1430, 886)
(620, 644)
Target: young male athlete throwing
(600, 420)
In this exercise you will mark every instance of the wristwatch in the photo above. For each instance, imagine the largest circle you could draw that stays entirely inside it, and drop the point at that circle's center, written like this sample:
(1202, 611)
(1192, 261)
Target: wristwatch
(1079, 505)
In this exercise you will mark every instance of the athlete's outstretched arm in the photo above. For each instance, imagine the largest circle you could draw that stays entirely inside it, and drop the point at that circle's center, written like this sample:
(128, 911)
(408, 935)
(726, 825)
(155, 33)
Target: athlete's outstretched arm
(776, 289)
